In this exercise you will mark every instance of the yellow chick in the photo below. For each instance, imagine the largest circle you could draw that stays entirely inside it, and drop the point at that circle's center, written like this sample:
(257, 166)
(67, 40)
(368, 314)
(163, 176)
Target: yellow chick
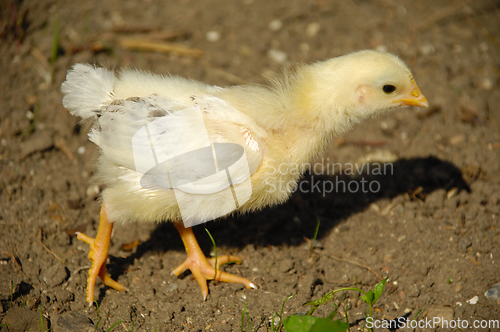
(178, 150)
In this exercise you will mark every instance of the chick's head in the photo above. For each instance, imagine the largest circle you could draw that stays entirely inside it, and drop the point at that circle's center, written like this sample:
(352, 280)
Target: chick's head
(361, 85)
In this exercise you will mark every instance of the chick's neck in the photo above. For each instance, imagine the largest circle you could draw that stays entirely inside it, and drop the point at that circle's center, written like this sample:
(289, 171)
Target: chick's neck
(300, 114)
(307, 124)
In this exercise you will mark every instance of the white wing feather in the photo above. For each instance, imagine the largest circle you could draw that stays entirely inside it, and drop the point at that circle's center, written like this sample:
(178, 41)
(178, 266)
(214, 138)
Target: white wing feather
(141, 133)
(87, 90)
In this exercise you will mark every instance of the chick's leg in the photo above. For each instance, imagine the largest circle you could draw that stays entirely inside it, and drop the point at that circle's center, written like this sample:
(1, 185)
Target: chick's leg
(202, 268)
(99, 248)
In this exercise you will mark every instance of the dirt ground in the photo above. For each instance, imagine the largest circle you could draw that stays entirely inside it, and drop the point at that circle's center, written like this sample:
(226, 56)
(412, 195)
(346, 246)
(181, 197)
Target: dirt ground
(431, 228)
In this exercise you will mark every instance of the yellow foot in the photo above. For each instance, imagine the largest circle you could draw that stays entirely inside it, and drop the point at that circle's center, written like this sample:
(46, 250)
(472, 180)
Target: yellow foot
(203, 269)
(99, 248)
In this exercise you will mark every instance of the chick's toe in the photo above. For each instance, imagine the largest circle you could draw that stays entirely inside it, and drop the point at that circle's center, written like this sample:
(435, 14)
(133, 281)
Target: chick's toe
(203, 269)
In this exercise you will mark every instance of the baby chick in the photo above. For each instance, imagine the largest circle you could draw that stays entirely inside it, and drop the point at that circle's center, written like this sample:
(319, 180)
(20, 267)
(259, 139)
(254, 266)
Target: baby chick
(163, 141)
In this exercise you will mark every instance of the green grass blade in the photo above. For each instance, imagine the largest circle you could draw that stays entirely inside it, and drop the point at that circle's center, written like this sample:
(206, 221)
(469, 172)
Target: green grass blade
(313, 240)
(118, 322)
(243, 315)
(98, 316)
(281, 312)
(6, 190)
(215, 252)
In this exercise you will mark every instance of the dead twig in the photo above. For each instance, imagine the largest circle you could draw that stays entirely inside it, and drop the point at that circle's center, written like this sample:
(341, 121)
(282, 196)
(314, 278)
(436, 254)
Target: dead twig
(441, 13)
(53, 253)
(148, 32)
(43, 65)
(165, 35)
(13, 258)
(357, 264)
(163, 47)
(227, 76)
(61, 145)
(474, 261)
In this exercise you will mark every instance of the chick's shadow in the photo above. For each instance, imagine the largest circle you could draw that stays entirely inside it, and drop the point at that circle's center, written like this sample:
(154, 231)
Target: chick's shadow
(289, 223)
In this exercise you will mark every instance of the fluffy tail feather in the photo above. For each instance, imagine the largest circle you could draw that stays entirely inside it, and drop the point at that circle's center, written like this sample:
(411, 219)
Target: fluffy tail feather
(87, 90)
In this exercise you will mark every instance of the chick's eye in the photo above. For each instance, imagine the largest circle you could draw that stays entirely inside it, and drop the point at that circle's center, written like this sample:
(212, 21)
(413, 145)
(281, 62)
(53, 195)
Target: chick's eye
(389, 88)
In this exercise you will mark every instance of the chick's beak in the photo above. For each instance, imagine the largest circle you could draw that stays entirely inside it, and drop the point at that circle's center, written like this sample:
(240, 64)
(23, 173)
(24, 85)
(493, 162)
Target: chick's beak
(415, 98)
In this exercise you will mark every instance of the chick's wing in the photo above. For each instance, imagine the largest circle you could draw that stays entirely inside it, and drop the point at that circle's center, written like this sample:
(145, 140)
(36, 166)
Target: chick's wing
(183, 146)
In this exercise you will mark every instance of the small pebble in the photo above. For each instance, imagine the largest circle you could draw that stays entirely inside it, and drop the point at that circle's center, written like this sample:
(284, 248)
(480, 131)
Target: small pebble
(457, 139)
(93, 190)
(493, 293)
(451, 193)
(414, 291)
(389, 126)
(427, 49)
(81, 150)
(474, 300)
(277, 55)
(213, 36)
(381, 48)
(275, 25)
(172, 287)
(312, 29)
(486, 84)
(402, 10)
